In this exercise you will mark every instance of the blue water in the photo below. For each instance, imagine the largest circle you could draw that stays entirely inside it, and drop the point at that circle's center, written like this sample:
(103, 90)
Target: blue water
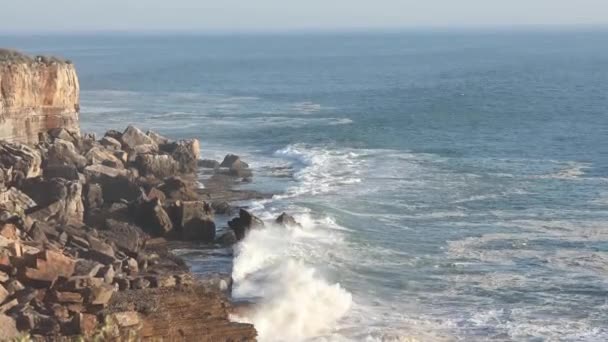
(450, 186)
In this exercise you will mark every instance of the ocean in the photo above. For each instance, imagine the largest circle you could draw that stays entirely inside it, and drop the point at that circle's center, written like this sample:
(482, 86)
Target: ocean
(451, 186)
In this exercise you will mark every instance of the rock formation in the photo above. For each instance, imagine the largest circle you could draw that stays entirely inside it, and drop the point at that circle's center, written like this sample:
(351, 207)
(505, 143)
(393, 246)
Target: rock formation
(36, 95)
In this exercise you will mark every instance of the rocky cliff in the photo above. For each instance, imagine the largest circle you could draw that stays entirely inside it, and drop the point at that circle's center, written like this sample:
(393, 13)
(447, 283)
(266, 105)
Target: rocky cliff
(36, 95)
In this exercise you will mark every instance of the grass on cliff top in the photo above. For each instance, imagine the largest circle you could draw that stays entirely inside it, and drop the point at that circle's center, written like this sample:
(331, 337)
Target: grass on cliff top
(14, 56)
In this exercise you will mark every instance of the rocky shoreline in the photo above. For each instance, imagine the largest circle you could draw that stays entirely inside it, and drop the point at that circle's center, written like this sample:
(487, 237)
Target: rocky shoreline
(84, 231)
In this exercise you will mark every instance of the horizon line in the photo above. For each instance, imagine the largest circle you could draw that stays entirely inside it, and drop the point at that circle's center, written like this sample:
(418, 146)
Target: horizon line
(312, 30)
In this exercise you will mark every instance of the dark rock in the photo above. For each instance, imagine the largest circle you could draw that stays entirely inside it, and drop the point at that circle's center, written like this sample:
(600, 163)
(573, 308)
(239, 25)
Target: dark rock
(286, 220)
(230, 160)
(152, 218)
(127, 237)
(140, 283)
(68, 172)
(234, 166)
(100, 251)
(156, 193)
(222, 208)
(63, 134)
(93, 196)
(245, 222)
(227, 238)
(209, 164)
(114, 134)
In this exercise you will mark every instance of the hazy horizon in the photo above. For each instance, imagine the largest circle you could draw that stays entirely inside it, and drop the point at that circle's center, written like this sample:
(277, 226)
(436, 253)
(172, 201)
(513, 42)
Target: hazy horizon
(273, 16)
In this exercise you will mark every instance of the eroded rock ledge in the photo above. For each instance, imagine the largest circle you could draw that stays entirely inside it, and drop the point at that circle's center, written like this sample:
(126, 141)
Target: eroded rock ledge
(84, 224)
(36, 94)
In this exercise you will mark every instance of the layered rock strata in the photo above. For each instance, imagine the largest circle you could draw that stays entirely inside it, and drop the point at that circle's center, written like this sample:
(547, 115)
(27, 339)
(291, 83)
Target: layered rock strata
(36, 95)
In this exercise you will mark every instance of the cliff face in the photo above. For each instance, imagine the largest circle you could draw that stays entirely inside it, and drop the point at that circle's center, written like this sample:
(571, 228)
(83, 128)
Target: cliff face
(36, 95)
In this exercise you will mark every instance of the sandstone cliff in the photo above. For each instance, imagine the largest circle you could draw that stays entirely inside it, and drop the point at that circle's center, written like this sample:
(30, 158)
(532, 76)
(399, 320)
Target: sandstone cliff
(36, 94)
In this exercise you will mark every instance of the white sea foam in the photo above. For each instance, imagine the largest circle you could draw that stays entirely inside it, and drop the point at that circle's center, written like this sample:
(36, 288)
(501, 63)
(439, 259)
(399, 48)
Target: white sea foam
(322, 170)
(293, 300)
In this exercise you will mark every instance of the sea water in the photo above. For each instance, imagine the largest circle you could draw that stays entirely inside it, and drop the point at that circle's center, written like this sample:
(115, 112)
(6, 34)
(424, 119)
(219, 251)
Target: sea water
(451, 186)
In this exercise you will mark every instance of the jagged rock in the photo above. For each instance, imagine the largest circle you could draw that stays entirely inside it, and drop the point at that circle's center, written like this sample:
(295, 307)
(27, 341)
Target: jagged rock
(157, 138)
(133, 136)
(235, 166)
(85, 267)
(113, 134)
(100, 251)
(86, 323)
(114, 183)
(156, 193)
(245, 222)
(93, 196)
(69, 172)
(185, 152)
(9, 231)
(97, 171)
(194, 220)
(58, 199)
(49, 266)
(110, 143)
(8, 328)
(100, 295)
(152, 218)
(125, 236)
(99, 155)
(62, 133)
(209, 164)
(21, 159)
(3, 294)
(16, 201)
(286, 220)
(176, 189)
(68, 297)
(156, 165)
(63, 152)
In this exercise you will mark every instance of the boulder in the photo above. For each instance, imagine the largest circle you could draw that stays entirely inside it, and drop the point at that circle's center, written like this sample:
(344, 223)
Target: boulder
(133, 136)
(234, 166)
(127, 237)
(244, 223)
(185, 152)
(160, 166)
(8, 328)
(194, 220)
(16, 201)
(286, 220)
(209, 164)
(157, 138)
(69, 172)
(49, 266)
(176, 188)
(63, 134)
(152, 218)
(97, 171)
(227, 239)
(63, 152)
(20, 158)
(110, 143)
(115, 184)
(222, 207)
(93, 196)
(99, 155)
(61, 198)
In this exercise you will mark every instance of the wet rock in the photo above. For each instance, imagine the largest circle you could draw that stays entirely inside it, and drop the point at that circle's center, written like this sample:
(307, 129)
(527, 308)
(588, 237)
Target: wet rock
(227, 239)
(156, 165)
(194, 220)
(233, 165)
(286, 220)
(245, 222)
(222, 208)
(133, 136)
(209, 164)
(217, 282)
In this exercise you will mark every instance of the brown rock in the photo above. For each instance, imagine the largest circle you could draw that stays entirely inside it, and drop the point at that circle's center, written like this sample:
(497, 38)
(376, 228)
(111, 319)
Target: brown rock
(110, 143)
(18, 158)
(185, 152)
(100, 155)
(3, 294)
(100, 295)
(68, 297)
(9, 231)
(8, 328)
(176, 188)
(133, 136)
(157, 138)
(49, 266)
(126, 319)
(160, 166)
(63, 152)
(87, 324)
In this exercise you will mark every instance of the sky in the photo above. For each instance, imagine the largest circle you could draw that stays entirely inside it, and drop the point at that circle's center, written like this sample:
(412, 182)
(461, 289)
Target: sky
(290, 15)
